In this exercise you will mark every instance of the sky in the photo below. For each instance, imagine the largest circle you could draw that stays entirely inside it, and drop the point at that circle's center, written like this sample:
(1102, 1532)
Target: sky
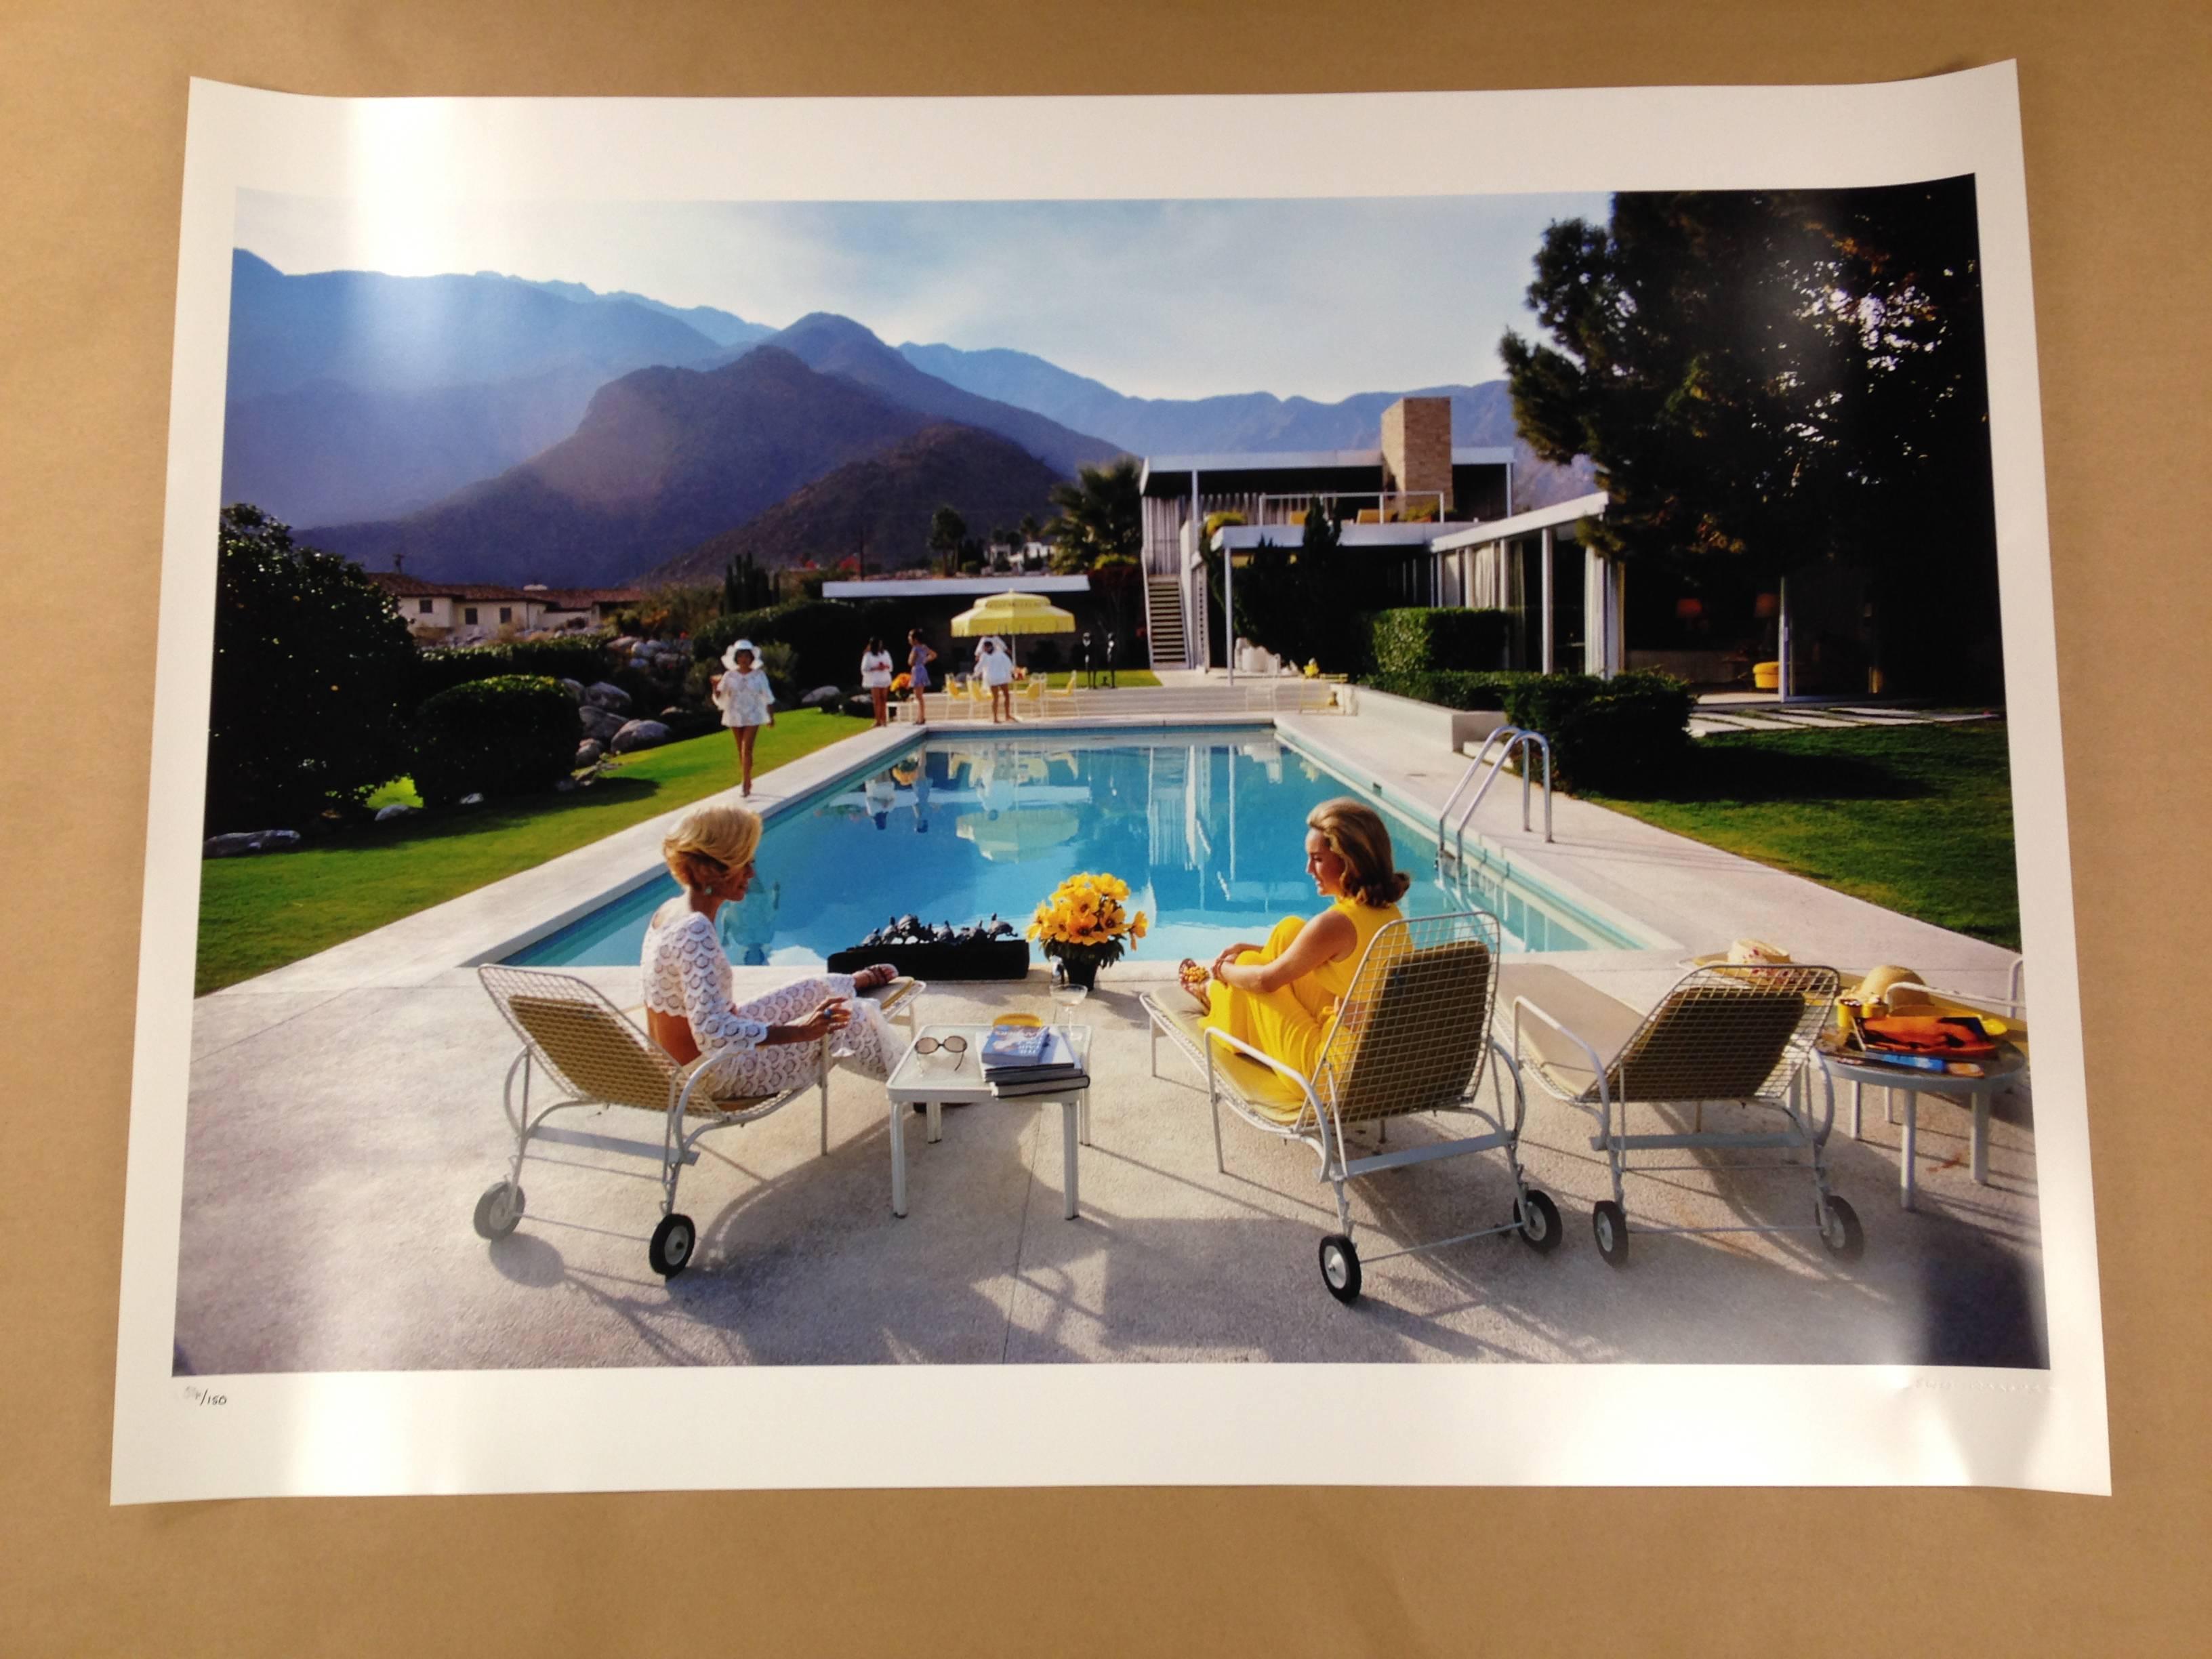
(1163, 299)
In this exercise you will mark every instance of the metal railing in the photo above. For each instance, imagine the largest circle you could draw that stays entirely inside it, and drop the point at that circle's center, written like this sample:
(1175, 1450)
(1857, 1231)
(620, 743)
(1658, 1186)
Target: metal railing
(1451, 834)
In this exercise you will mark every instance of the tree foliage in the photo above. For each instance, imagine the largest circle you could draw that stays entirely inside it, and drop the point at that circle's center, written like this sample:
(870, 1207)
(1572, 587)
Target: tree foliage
(1772, 375)
(1101, 516)
(312, 667)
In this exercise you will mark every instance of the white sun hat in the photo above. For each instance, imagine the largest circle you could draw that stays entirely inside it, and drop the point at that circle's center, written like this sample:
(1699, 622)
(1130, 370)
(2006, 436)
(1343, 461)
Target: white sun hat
(730, 656)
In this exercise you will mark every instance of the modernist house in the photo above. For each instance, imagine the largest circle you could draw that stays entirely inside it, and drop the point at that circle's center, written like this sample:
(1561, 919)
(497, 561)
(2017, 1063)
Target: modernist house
(466, 613)
(1441, 523)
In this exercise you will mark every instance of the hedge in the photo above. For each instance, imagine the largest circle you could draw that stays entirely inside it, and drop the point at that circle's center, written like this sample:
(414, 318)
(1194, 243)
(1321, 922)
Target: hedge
(500, 737)
(1412, 641)
(1605, 734)
(828, 635)
(583, 659)
(1449, 688)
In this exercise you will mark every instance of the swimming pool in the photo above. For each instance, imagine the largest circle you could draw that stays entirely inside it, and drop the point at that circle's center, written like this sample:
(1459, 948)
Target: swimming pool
(1207, 827)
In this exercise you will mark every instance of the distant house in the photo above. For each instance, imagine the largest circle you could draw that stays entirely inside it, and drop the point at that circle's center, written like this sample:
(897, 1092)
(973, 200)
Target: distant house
(468, 613)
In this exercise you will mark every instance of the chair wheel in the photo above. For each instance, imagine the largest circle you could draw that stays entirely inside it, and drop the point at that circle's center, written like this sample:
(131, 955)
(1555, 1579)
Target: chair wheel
(1339, 1268)
(1610, 1223)
(673, 1240)
(1539, 1219)
(500, 1210)
(1839, 1228)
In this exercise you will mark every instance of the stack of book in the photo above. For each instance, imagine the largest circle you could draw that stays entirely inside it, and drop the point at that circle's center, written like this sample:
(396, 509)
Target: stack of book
(1031, 1059)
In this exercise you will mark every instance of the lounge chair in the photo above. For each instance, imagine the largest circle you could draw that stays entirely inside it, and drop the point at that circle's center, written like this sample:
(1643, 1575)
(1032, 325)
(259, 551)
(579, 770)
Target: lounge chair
(594, 1053)
(1741, 1033)
(1414, 1035)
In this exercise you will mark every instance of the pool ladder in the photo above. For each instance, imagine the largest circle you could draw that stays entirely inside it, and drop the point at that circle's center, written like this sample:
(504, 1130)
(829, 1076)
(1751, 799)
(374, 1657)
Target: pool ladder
(1508, 741)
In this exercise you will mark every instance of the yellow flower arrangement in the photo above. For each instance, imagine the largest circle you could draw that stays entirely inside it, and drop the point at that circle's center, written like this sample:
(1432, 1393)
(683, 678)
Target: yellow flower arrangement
(1087, 922)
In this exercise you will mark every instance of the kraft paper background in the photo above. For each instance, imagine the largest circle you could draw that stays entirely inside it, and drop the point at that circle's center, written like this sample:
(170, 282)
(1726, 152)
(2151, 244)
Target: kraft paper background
(2118, 144)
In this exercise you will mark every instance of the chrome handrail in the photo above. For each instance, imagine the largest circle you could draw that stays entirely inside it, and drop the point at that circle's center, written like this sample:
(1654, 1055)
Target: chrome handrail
(1517, 739)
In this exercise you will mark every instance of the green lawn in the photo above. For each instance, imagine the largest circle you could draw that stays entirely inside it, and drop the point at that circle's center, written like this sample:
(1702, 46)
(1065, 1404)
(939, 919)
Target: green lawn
(257, 914)
(1130, 679)
(1916, 818)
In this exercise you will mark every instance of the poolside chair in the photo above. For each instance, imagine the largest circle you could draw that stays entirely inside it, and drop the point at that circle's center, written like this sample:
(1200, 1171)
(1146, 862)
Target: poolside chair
(1413, 1034)
(1722, 1033)
(592, 1052)
(1037, 693)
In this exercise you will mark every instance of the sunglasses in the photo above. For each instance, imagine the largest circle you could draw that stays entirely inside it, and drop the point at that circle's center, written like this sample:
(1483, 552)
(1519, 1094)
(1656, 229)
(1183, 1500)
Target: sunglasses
(952, 1045)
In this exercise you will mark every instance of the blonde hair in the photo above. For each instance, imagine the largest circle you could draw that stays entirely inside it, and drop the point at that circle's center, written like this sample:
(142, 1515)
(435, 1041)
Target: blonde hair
(1355, 832)
(709, 843)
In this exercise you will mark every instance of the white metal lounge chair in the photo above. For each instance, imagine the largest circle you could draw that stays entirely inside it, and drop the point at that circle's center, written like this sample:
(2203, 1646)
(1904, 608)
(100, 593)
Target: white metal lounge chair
(1741, 1033)
(1414, 1035)
(592, 1051)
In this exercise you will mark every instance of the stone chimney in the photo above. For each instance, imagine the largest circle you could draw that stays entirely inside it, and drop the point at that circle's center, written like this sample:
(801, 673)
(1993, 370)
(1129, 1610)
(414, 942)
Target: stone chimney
(1417, 449)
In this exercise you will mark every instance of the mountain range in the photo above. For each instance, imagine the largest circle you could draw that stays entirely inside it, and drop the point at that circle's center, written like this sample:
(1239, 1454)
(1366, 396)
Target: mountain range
(492, 427)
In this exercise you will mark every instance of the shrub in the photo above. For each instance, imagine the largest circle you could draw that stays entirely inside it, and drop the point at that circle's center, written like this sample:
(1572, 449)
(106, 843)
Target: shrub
(1449, 688)
(1412, 641)
(828, 635)
(312, 675)
(582, 658)
(501, 737)
(1605, 734)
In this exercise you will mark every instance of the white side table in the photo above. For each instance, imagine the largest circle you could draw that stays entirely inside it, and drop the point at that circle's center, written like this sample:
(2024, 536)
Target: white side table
(2006, 1068)
(935, 1081)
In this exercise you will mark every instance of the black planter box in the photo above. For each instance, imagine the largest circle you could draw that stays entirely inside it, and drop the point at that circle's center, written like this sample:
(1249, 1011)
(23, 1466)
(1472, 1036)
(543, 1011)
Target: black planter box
(996, 958)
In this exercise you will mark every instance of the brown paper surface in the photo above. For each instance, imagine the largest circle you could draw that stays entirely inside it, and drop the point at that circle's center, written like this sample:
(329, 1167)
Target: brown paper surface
(91, 113)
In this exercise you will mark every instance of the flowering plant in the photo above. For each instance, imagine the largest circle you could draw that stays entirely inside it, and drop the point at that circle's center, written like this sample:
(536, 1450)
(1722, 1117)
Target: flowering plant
(901, 684)
(1086, 923)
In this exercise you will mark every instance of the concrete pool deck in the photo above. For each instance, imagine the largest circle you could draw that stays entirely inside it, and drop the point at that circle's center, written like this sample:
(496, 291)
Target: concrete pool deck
(344, 1115)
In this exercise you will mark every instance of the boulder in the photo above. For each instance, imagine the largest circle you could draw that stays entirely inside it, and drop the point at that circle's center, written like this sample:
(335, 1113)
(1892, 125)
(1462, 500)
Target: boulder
(239, 842)
(822, 696)
(474, 797)
(671, 713)
(563, 786)
(386, 814)
(588, 752)
(639, 735)
(599, 723)
(574, 689)
(601, 694)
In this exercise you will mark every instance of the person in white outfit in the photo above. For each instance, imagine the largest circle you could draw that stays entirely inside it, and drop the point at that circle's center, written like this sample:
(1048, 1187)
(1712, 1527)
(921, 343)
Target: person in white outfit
(876, 680)
(747, 703)
(994, 666)
(766, 1045)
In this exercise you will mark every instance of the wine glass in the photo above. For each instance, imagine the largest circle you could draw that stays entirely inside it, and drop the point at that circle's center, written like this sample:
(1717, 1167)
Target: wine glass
(1067, 997)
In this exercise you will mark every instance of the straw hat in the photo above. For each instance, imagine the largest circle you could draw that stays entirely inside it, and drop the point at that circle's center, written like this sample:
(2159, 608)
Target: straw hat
(1881, 980)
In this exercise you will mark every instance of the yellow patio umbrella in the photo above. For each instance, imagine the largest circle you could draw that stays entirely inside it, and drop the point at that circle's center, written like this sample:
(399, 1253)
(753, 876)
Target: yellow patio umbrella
(1013, 615)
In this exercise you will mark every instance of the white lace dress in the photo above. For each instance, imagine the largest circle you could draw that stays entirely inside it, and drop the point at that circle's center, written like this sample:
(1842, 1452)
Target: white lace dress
(688, 975)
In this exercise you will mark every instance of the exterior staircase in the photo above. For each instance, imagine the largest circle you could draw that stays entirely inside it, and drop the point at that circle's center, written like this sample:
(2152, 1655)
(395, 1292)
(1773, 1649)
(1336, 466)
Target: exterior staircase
(1164, 622)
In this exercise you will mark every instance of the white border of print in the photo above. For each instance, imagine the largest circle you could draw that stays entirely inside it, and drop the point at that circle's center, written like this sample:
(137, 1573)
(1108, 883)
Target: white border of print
(1106, 1424)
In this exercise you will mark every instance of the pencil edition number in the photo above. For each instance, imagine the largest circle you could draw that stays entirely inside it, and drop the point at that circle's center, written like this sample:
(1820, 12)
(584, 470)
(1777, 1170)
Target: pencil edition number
(200, 1396)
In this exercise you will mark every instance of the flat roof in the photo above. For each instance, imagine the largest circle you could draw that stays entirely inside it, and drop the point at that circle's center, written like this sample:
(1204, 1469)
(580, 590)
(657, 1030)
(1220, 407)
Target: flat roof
(1241, 537)
(1591, 506)
(1171, 472)
(915, 587)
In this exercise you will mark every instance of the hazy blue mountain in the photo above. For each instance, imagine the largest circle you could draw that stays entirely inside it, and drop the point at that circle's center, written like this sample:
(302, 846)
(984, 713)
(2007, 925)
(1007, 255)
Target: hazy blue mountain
(724, 328)
(838, 345)
(881, 506)
(664, 459)
(364, 328)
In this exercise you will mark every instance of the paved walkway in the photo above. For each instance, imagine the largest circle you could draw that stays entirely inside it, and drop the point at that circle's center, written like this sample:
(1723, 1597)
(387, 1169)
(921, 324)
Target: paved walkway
(1737, 711)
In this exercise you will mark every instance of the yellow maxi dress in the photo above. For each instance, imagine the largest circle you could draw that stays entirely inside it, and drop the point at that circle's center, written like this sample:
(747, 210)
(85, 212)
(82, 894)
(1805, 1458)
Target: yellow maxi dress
(1289, 1023)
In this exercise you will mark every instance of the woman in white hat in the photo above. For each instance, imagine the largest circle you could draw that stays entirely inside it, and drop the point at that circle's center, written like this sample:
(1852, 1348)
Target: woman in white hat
(746, 701)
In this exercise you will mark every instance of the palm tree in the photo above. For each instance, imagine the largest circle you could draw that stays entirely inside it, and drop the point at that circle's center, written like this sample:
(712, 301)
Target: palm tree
(1101, 515)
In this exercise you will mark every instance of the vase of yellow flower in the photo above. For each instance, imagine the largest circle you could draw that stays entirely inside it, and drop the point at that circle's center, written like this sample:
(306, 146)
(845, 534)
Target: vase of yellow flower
(1087, 924)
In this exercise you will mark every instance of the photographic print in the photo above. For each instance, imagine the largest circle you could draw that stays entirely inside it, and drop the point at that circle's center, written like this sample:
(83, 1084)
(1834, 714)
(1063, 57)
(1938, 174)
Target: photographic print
(1147, 787)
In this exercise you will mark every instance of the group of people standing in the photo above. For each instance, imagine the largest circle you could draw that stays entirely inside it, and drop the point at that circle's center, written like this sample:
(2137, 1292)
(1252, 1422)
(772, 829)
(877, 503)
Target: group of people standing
(994, 668)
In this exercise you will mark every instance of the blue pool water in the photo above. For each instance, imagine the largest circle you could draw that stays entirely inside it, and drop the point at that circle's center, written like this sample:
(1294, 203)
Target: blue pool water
(1208, 828)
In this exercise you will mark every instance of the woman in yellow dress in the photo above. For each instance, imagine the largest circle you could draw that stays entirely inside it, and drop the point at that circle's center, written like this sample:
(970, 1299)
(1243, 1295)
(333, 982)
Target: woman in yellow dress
(1279, 997)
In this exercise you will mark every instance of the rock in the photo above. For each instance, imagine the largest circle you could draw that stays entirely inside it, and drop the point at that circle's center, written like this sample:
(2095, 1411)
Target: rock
(474, 797)
(598, 723)
(239, 842)
(588, 752)
(563, 786)
(574, 689)
(672, 713)
(386, 814)
(600, 694)
(639, 735)
(822, 696)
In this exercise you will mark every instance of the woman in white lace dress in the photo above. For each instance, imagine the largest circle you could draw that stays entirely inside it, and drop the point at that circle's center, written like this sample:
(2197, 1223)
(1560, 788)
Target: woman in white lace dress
(766, 1045)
